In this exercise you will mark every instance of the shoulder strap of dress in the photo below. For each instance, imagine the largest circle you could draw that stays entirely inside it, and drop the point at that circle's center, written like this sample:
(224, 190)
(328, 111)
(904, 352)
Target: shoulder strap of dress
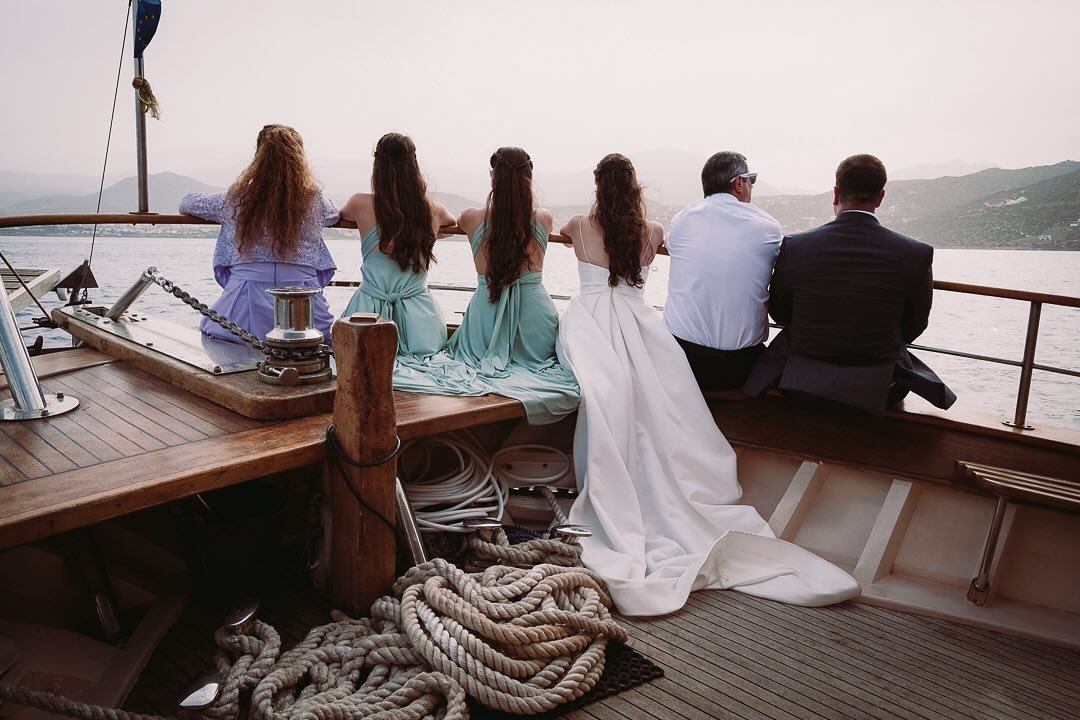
(369, 241)
(477, 237)
(541, 233)
(581, 237)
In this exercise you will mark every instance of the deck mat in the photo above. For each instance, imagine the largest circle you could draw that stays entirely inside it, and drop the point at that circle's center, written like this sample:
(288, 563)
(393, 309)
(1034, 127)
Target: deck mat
(624, 668)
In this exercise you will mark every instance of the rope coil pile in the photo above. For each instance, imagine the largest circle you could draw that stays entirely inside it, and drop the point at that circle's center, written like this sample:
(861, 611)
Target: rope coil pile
(539, 551)
(521, 641)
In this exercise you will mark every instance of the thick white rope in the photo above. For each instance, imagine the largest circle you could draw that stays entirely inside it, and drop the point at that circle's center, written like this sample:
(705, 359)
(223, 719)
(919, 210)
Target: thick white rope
(522, 641)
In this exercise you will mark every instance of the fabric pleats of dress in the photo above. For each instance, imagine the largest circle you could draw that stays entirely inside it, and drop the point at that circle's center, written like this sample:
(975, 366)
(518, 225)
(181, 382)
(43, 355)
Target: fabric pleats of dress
(401, 296)
(657, 478)
(506, 347)
(245, 300)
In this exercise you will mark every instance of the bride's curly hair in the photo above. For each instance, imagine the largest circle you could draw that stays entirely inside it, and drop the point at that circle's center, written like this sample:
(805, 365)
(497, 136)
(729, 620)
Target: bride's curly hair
(402, 211)
(619, 210)
(509, 224)
(273, 195)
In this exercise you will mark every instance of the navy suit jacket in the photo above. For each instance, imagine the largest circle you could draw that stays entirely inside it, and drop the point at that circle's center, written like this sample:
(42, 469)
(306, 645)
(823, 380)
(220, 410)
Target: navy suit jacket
(850, 294)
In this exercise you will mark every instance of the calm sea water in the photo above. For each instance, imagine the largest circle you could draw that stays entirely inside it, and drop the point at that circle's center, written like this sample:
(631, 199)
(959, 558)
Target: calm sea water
(987, 326)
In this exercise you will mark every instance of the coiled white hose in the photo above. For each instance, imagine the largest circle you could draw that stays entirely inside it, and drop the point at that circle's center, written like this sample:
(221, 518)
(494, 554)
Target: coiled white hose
(478, 486)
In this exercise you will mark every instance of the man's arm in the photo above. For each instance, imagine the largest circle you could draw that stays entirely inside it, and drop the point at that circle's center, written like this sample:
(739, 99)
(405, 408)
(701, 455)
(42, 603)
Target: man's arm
(780, 295)
(917, 306)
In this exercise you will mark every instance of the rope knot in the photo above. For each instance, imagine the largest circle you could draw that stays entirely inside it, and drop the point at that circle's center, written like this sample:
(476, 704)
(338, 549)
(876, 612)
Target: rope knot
(146, 97)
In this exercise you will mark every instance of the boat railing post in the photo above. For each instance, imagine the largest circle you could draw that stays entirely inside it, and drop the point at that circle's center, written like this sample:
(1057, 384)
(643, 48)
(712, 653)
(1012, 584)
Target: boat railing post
(28, 400)
(15, 359)
(363, 508)
(1026, 367)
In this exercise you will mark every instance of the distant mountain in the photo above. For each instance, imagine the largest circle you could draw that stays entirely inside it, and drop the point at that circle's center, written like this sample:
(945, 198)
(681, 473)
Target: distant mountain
(165, 192)
(1042, 216)
(931, 209)
(930, 171)
(18, 186)
(1032, 207)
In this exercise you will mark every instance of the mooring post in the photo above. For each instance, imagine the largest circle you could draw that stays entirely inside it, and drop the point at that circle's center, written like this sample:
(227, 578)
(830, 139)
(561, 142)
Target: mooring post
(363, 511)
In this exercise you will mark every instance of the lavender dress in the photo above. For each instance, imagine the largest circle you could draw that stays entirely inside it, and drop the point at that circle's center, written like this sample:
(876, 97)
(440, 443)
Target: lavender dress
(245, 280)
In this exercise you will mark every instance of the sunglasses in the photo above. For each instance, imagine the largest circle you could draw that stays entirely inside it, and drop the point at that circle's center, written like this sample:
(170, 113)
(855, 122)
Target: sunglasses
(752, 177)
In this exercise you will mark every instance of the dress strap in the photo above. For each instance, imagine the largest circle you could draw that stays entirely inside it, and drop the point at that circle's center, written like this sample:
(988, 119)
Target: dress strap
(581, 234)
(477, 237)
(369, 242)
(541, 234)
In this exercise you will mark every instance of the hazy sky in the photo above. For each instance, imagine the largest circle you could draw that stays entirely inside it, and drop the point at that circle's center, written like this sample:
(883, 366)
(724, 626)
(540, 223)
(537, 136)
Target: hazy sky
(796, 86)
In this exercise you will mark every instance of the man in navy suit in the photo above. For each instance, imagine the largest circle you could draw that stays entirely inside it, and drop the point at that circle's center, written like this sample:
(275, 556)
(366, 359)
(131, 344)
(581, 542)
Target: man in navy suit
(851, 294)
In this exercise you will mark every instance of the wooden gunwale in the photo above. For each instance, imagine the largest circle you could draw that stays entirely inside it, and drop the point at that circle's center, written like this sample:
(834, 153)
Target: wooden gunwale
(15, 221)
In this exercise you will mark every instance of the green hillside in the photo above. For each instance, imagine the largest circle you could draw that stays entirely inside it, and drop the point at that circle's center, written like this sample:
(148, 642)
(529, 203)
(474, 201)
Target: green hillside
(981, 210)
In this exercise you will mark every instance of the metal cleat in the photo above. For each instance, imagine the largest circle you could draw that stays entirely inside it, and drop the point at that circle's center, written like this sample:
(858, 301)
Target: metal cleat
(485, 527)
(238, 618)
(202, 693)
(570, 534)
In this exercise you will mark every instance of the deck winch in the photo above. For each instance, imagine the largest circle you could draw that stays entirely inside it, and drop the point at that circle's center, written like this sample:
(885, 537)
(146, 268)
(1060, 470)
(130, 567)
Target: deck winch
(304, 359)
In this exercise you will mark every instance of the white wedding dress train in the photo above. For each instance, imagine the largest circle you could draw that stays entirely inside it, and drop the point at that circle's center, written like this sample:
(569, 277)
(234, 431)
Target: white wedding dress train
(656, 477)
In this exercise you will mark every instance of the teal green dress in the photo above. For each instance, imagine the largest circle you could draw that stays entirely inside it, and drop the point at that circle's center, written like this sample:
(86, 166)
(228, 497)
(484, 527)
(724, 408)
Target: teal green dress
(401, 296)
(506, 347)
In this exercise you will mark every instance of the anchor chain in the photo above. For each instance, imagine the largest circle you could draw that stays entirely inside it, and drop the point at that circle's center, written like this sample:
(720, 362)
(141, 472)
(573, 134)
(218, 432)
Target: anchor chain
(152, 273)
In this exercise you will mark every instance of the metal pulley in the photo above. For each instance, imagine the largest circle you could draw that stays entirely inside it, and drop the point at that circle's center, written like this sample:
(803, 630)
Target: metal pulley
(295, 333)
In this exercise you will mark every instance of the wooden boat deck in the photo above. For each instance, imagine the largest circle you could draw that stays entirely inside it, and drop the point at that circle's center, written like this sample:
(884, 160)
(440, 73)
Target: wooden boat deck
(728, 655)
(38, 280)
(137, 441)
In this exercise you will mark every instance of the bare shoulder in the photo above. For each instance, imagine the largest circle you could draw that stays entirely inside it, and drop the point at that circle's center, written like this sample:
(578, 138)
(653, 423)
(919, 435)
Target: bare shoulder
(355, 205)
(470, 219)
(544, 217)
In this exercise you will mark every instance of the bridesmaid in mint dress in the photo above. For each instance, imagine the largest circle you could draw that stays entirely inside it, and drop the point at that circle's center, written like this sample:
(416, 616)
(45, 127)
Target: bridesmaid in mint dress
(506, 341)
(398, 226)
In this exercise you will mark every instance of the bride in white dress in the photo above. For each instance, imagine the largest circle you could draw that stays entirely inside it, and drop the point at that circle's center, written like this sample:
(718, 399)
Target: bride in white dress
(657, 479)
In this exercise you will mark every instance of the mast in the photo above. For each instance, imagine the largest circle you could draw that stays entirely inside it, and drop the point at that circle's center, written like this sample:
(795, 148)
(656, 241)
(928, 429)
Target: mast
(140, 119)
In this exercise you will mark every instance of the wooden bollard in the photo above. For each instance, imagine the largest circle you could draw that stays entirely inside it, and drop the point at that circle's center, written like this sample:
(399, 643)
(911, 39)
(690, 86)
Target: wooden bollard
(363, 550)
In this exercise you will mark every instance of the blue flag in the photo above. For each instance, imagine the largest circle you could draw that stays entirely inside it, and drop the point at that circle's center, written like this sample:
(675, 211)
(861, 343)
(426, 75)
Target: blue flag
(146, 19)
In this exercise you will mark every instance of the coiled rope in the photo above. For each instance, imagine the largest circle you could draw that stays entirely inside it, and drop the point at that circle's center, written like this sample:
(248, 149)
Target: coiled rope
(476, 486)
(522, 641)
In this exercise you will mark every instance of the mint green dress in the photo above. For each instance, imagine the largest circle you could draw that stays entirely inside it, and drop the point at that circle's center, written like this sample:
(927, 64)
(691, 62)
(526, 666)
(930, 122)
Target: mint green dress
(506, 347)
(401, 296)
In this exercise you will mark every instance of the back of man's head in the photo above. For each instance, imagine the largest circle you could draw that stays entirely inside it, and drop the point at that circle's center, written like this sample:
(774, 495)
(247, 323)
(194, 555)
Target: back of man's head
(720, 170)
(860, 179)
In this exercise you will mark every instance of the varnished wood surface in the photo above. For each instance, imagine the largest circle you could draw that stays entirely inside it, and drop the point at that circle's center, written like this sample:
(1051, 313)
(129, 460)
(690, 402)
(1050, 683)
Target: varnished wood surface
(728, 655)
(904, 444)
(242, 392)
(135, 442)
(45, 366)
(361, 484)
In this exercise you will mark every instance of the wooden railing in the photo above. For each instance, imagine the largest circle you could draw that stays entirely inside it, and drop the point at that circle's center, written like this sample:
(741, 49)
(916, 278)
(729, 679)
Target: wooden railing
(1027, 364)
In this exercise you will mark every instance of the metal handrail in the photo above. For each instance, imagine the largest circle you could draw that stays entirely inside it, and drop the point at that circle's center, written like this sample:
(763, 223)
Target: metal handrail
(1027, 365)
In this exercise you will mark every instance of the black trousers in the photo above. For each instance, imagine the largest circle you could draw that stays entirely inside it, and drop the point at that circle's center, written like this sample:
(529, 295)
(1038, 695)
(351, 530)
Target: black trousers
(720, 369)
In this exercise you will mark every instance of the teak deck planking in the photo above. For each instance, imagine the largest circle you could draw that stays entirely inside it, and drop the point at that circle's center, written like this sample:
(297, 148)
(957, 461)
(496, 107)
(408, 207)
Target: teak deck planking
(729, 655)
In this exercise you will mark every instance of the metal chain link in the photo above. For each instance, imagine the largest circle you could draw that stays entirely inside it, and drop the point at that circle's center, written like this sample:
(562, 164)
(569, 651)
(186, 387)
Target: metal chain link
(173, 289)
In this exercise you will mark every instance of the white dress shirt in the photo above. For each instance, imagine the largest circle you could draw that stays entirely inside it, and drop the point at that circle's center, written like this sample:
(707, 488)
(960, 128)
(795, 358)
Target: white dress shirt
(722, 256)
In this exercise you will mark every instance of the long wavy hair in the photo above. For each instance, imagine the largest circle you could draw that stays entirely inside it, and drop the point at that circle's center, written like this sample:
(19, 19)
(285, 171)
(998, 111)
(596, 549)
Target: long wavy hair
(619, 210)
(273, 195)
(508, 228)
(402, 211)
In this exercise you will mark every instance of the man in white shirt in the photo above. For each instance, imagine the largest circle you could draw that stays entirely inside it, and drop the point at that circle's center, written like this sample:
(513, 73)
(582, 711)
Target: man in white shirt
(722, 255)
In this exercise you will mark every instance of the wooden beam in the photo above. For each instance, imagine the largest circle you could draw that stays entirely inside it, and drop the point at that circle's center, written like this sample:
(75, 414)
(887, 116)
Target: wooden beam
(363, 509)
(790, 512)
(879, 553)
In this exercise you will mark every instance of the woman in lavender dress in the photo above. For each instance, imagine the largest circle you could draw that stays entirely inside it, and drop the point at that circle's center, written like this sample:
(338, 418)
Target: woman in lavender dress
(271, 235)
